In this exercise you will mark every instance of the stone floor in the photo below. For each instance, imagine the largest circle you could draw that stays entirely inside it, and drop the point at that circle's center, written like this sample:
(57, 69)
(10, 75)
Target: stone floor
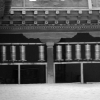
(50, 92)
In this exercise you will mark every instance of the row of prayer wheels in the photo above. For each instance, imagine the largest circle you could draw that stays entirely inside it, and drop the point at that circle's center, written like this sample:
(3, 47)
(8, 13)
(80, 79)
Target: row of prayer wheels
(59, 51)
(78, 52)
(22, 53)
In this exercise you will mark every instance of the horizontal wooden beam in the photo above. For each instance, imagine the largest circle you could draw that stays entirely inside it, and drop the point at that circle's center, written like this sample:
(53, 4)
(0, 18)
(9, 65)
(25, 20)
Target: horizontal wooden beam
(49, 35)
(17, 29)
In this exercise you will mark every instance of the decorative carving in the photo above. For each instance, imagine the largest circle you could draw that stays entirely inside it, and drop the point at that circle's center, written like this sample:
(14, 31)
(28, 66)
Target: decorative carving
(52, 28)
(96, 3)
(50, 3)
(2, 7)
(7, 6)
(49, 35)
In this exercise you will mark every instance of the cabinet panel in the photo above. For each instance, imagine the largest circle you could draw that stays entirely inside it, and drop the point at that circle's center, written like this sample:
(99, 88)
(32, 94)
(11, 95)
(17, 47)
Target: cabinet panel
(92, 72)
(67, 73)
(31, 74)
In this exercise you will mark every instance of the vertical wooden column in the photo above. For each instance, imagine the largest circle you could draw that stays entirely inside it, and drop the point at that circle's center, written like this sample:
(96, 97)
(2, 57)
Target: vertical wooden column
(50, 61)
(82, 75)
(90, 4)
(19, 70)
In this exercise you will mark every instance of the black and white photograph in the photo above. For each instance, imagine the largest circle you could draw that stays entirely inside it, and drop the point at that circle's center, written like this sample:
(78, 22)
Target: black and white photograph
(49, 49)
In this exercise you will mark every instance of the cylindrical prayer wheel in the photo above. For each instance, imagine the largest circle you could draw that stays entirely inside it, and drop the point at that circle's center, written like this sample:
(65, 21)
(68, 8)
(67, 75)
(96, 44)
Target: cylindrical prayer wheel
(13, 53)
(3, 53)
(78, 51)
(97, 52)
(88, 52)
(59, 53)
(41, 53)
(68, 52)
(22, 53)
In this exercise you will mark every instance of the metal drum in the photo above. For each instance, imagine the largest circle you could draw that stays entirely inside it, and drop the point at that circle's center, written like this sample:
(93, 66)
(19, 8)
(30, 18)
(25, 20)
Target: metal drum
(41, 53)
(59, 53)
(4, 53)
(22, 53)
(68, 52)
(88, 52)
(97, 52)
(78, 51)
(13, 53)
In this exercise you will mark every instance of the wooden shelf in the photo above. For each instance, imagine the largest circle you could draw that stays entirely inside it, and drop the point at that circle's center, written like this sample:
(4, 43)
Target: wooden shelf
(24, 63)
(76, 62)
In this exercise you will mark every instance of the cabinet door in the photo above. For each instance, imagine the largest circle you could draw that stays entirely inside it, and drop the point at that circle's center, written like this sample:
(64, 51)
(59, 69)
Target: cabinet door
(67, 73)
(33, 74)
(92, 72)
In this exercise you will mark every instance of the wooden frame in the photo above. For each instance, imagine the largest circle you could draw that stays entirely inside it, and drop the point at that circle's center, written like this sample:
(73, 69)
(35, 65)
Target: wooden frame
(81, 68)
(90, 4)
(51, 7)
(19, 67)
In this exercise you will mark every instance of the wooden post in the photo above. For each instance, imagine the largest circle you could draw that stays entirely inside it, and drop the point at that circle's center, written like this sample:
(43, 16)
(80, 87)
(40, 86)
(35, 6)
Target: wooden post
(90, 4)
(82, 75)
(19, 74)
(50, 61)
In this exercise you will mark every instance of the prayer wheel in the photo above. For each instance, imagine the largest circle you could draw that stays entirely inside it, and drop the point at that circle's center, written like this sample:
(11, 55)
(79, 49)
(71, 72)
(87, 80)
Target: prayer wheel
(78, 51)
(97, 52)
(59, 53)
(41, 53)
(13, 53)
(88, 52)
(68, 52)
(4, 53)
(22, 53)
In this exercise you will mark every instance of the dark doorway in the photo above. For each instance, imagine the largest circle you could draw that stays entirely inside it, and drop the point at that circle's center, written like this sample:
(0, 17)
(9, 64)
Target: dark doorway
(8, 74)
(92, 72)
(33, 74)
(67, 73)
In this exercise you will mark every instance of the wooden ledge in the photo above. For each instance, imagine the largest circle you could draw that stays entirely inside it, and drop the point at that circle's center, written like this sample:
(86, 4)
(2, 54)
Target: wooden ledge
(50, 35)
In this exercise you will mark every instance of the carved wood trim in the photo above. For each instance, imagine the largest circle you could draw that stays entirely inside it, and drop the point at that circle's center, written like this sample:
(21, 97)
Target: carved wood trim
(63, 28)
(49, 35)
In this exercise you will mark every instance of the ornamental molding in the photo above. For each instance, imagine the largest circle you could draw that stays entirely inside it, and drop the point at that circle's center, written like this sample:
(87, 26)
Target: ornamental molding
(2, 7)
(5, 6)
(52, 28)
(50, 35)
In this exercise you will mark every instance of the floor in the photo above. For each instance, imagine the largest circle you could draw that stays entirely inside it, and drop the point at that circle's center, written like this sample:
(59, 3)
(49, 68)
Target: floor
(50, 92)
